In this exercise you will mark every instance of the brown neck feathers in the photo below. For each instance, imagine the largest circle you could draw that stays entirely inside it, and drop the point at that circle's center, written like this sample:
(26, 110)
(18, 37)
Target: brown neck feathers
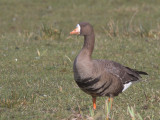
(88, 44)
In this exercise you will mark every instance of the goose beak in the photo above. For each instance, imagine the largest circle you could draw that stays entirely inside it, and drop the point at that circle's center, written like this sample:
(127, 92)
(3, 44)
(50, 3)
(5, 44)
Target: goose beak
(75, 31)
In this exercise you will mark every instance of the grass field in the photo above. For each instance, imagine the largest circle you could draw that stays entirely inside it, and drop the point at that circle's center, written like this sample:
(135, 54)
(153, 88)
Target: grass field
(37, 54)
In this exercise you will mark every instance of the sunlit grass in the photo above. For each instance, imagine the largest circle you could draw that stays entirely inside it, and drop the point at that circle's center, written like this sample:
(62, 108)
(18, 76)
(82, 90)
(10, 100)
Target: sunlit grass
(37, 54)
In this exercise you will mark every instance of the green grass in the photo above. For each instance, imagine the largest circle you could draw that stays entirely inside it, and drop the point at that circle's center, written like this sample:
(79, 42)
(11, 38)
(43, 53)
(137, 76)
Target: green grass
(37, 54)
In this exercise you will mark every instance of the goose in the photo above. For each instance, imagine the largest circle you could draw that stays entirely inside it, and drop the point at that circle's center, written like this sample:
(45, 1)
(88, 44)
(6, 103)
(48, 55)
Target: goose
(100, 77)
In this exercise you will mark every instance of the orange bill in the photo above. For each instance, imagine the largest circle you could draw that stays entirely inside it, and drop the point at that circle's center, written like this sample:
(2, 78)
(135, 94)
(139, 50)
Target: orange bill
(75, 31)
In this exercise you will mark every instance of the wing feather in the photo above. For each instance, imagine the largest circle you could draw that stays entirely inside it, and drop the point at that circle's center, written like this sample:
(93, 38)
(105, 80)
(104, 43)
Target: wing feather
(125, 74)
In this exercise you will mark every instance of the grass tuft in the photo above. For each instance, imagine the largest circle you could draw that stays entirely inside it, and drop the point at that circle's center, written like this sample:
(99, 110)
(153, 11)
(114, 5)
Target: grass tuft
(49, 32)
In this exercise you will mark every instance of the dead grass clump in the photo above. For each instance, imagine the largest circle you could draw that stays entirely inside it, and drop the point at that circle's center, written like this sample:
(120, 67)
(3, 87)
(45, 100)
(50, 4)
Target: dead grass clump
(49, 32)
(113, 29)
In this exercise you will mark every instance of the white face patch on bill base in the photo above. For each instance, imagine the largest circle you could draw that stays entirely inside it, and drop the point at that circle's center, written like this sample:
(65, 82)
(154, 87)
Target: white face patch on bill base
(78, 28)
(76, 31)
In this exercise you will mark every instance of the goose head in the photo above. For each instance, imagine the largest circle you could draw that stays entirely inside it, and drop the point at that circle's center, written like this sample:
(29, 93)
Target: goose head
(83, 29)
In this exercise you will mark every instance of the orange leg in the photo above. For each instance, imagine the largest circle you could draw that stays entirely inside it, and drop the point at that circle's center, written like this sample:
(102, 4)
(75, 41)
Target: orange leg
(94, 102)
(111, 101)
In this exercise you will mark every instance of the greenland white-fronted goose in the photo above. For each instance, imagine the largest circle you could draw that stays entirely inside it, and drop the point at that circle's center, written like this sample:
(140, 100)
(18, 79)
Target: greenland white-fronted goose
(100, 77)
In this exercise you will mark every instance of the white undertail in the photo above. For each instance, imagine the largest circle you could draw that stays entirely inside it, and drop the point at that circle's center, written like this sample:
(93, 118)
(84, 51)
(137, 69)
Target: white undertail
(127, 85)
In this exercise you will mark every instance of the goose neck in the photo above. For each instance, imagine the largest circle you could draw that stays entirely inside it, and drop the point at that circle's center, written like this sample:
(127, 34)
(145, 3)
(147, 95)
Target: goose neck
(88, 45)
